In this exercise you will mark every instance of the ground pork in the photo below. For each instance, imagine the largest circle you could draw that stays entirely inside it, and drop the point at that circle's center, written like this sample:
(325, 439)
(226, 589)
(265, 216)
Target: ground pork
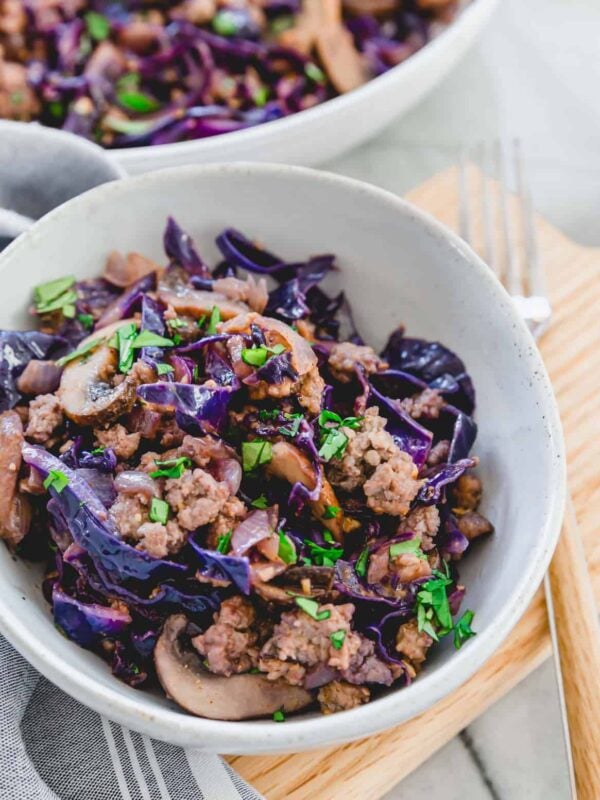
(471, 524)
(367, 447)
(116, 437)
(204, 449)
(171, 434)
(310, 391)
(404, 568)
(424, 522)
(427, 403)
(467, 492)
(232, 513)
(346, 356)
(412, 643)
(17, 99)
(45, 415)
(128, 513)
(229, 646)
(160, 540)
(366, 667)
(341, 696)
(438, 453)
(393, 486)
(196, 498)
(252, 292)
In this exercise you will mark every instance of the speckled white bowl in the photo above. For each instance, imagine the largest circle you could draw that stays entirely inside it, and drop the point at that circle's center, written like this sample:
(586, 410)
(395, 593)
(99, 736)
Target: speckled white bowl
(398, 265)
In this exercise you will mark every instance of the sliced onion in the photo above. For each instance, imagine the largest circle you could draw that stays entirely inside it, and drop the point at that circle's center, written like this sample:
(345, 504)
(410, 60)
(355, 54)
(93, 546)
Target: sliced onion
(254, 529)
(133, 482)
(229, 471)
(101, 483)
(39, 377)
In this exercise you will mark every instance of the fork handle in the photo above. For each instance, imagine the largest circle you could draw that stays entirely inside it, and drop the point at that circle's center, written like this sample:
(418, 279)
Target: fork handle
(579, 650)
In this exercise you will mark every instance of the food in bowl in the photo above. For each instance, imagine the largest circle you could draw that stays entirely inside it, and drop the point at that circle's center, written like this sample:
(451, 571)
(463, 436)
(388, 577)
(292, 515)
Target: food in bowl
(239, 497)
(161, 72)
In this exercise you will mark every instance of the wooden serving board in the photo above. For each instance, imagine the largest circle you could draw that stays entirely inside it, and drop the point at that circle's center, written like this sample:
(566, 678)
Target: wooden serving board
(367, 769)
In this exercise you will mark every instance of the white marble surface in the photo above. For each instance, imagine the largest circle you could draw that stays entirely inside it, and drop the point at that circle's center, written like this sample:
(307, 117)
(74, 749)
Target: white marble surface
(534, 74)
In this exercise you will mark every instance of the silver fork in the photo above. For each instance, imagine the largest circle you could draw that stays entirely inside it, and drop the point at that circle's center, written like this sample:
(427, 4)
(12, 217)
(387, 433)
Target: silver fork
(520, 271)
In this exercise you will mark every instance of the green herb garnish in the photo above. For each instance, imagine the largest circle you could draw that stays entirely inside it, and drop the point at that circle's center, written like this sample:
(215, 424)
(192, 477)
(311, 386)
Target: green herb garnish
(128, 127)
(333, 440)
(266, 416)
(215, 318)
(283, 23)
(255, 356)
(159, 511)
(260, 502)
(337, 639)
(224, 542)
(56, 295)
(463, 630)
(173, 468)
(98, 451)
(126, 335)
(56, 480)
(323, 556)
(361, 562)
(149, 339)
(139, 102)
(278, 716)
(225, 23)
(292, 428)
(433, 608)
(311, 607)
(163, 369)
(87, 320)
(97, 25)
(331, 512)
(255, 453)
(328, 536)
(82, 350)
(412, 546)
(260, 96)
(177, 323)
(286, 551)
(315, 73)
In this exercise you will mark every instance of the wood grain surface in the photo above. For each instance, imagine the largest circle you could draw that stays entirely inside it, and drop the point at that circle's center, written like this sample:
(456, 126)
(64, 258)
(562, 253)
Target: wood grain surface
(367, 769)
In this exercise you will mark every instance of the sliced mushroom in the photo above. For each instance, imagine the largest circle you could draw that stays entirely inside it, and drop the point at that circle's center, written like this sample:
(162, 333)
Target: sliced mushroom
(311, 581)
(200, 692)
(345, 66)
(88, 393)
(15, 511)
(197, 303)
(289, 464)
(374, 7)
(122, 270)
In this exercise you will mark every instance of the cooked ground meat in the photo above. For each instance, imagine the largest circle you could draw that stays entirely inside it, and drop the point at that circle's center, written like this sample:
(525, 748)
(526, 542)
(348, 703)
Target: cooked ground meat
(366, 667)
(438, 453)
(232, 513)
(471, 524)
(393, 486)
(202, 450)
(171, 434)
(346, 356)
(424, 522)
(196, 498)
(412, 643)
(467, 492)
(229, 646)
(427, 403)
(310, 391)
(116, 437)
(45, 416)
(129, 513)
(161, 540)
(404, 568)
(341, 696)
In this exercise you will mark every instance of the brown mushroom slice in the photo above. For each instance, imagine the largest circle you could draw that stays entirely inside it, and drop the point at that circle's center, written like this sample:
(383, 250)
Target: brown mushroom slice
(289, 464)
(244, 696)
(296, 581)
(87, 393)
(276, 332)
(372, 7)
(344, 65)
(197, 303)
(15, 511)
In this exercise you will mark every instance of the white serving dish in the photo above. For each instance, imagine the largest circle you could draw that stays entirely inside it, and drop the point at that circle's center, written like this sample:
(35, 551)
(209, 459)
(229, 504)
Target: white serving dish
(327, 130)
(398, 265)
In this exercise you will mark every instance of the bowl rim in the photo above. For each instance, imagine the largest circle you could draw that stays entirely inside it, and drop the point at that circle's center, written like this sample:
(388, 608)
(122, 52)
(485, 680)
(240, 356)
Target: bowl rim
(380, 84)
(254, 737)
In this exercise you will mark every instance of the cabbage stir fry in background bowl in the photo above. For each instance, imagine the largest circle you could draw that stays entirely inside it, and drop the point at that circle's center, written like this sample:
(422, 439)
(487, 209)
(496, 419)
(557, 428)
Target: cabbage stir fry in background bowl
(235, 494)
(151, 73)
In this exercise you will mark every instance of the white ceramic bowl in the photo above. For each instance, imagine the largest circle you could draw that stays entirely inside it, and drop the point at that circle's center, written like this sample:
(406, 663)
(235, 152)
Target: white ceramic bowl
(398, 265)
(327, 130)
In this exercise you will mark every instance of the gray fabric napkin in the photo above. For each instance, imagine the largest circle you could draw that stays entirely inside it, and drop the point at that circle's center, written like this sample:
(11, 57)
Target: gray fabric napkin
(51, 746)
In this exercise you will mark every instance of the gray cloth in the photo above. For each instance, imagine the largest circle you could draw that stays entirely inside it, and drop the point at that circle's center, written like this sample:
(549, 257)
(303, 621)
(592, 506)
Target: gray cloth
(54, 748)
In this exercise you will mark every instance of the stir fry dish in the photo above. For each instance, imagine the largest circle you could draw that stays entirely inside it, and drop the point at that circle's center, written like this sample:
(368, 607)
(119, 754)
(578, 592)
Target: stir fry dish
(237, 498)
(148, 72)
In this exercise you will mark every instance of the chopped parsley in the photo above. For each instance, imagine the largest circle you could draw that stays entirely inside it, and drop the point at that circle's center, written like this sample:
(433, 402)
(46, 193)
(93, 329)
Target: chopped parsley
(97, 25)
(260, 502)
(260, 96)
(201, 321)
(361, 562)
(149, 339)
(137, 101)
(225, 23)
(463, 630)
(224, 542)
(328, 536)
(293, 426)
(333, 440)
(412, 546)
(126, 335)
(433, 608)
(57, 295)
(163, 369)
(177, 323)
(255, 453)
(173, 468)
(311, 607)
(159, 511)
(56, 480)
(266, 416)
(215, 318)
(286, 551)
(82, 350)
(331, 512)
(87, 320)
(315, 73)
(337, 639)
(258, 355)
(323, 556)
(98, 451)
(279, 716)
